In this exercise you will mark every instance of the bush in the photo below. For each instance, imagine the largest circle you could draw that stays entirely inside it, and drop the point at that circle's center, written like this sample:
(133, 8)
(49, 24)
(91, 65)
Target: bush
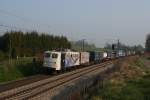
(137, 89)
(2, 56)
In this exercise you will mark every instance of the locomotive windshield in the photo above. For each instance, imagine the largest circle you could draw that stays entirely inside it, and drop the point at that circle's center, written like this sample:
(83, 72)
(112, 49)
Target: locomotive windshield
(54, 55)
(47, 55)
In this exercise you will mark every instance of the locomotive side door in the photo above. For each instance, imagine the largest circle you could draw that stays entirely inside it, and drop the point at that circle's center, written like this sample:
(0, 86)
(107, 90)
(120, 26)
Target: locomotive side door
(62, 60)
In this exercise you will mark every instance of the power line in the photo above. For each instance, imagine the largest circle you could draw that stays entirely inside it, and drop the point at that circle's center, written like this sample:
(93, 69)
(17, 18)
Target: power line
(14, 27)
(8, 13)
(23, 18)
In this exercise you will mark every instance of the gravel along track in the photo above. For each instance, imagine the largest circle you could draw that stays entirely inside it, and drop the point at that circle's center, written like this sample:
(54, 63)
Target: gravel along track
(22, 82)
(38, 87)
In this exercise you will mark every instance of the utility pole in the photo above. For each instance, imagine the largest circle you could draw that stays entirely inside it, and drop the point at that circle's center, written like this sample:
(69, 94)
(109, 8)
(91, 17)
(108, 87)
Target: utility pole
(118, 45)
(9, 50)
(83, 44)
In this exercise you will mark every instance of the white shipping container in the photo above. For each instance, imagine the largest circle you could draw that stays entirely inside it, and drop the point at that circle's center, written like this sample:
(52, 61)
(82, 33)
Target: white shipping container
(84, 57)
(104, 55)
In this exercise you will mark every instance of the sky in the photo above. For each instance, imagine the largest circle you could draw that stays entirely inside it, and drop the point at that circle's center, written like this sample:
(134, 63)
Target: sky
(96, 21)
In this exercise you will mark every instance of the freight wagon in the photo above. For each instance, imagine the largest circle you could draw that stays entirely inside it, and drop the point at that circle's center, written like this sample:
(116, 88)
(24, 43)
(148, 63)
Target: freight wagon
(84, 58)
(120, 53)
(95, 57)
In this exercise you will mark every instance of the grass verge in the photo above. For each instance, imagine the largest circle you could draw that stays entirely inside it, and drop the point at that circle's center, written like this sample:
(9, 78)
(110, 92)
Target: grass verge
(18, 70)
(130, 82)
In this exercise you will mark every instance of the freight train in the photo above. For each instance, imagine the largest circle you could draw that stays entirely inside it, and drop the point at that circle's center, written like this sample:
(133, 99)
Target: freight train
(62, 60)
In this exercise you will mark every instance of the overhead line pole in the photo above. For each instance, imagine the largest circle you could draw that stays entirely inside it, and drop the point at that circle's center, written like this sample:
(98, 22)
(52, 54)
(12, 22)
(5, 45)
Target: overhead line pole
(118, 44)
(83, 44)
(9, 50)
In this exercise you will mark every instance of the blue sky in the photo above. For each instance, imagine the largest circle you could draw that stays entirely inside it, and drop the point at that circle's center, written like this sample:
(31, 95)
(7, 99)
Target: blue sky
(97, 21)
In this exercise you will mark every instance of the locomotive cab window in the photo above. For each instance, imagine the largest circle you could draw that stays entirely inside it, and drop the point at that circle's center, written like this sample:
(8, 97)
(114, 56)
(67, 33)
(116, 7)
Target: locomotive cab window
(54, 55)
(47, 55)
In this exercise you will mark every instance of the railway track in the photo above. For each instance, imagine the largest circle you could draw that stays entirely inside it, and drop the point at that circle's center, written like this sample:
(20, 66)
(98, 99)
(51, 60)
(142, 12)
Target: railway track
(21, 82)
(31, 90)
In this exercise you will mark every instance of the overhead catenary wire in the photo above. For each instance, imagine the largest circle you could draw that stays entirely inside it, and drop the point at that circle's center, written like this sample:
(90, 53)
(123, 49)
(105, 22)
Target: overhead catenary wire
(34, 23)
(10, 27)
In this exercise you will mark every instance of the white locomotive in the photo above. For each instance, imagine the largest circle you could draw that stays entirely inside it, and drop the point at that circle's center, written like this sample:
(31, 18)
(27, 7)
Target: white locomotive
(61, 60)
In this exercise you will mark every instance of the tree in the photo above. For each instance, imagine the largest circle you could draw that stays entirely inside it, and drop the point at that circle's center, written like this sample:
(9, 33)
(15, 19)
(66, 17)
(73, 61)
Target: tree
(147, 44)
(31, 43)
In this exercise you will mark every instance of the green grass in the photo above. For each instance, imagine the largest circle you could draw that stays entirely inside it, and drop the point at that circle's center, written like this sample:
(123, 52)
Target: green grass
(139, 62)
(18, 69)
(131, 89)
(137, 89)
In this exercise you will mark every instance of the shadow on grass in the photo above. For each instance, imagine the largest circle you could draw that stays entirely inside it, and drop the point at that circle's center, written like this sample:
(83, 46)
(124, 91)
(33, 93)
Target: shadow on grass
(30, 68)
(13, 71)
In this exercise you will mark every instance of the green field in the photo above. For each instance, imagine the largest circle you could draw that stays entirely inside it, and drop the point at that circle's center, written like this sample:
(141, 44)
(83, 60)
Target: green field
(15, 69)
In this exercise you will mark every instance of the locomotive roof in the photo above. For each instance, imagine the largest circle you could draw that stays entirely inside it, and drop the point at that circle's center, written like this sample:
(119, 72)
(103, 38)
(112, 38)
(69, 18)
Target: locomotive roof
(61, 52)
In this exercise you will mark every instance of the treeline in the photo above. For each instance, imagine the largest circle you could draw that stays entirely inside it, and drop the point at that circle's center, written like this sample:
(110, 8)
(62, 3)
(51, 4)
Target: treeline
(30, 43)
(147, 44)
(136, 48)
(79, 45)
